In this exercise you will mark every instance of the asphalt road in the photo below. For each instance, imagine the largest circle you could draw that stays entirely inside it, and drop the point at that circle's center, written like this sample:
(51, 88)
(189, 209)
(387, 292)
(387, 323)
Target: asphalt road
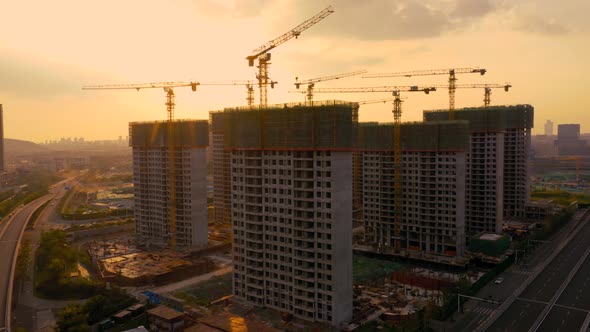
(8, 243)
(523, 312)
(475, 313)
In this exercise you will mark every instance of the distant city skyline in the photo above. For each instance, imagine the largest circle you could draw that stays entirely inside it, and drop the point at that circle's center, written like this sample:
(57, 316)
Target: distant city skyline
(539, 46)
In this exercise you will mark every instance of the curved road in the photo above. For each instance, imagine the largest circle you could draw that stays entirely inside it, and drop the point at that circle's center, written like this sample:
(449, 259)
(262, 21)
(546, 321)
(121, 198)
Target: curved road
(9, 239)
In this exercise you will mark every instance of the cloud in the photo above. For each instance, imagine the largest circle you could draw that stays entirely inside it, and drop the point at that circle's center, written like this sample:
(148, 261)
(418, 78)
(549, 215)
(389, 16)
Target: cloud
(29, 77)
(248, 8)
(472, 8)
(236, 8)
(539, 25)
(396, 19)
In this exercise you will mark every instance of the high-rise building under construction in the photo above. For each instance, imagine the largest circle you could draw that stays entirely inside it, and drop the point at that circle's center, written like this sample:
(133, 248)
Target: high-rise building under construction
(291, 207)
(497, 183)
(151, 178)
(433, 185)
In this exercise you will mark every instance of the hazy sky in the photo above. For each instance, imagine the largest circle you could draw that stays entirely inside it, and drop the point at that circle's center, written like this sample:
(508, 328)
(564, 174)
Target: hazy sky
(49, 49)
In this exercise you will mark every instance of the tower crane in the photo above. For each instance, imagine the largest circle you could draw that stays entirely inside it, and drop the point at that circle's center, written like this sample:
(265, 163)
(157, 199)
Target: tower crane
(486, 87)
(397, 115)
(312, 81)
(578, 160)
(169, 89)
(263, 56)
(452, 79)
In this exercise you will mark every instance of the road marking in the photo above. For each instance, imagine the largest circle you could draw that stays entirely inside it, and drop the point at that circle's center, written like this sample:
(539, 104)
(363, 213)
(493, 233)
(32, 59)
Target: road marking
(586, 323)
(560, 290)
(571, 308)
(531, 300)
(562, 241)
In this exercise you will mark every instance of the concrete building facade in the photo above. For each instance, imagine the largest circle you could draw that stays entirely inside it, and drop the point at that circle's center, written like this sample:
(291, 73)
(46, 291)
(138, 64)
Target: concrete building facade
(497, 184)
(433, 187)
(291, 207)
(220, 159)
(151, 179)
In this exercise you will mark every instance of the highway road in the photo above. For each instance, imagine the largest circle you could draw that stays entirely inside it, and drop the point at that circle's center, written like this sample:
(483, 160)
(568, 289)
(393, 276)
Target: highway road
(9, 237)
(566, 311)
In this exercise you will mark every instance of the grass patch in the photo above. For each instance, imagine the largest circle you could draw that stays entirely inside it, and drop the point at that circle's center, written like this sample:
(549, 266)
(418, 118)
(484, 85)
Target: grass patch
(208, 291)
(366, 268)
(560, 197)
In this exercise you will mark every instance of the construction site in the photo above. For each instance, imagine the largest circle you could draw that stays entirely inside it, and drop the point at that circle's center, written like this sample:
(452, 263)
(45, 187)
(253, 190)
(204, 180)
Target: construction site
(121, 262)
(289, 179)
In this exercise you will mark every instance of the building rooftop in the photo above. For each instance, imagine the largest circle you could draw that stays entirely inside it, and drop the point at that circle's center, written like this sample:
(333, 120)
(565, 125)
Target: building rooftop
(165, 313)
(122, 314)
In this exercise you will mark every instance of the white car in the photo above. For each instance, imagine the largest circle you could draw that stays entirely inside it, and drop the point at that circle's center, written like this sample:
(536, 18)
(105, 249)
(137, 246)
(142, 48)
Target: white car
(499, 281)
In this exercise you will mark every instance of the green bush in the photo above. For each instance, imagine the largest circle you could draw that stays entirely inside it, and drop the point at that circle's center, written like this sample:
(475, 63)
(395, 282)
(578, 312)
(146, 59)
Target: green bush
(54, 262)
(106, 303)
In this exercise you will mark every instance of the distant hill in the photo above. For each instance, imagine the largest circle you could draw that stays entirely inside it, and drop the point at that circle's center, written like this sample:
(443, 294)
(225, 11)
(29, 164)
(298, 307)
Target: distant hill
(14, 147)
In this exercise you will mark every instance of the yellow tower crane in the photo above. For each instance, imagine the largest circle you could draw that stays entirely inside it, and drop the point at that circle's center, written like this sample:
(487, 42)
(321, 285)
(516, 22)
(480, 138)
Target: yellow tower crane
(487, 88)
(170, 104)
(452, 79)
(312, 81)
(578, 160)
(263, 56)
(397, 115)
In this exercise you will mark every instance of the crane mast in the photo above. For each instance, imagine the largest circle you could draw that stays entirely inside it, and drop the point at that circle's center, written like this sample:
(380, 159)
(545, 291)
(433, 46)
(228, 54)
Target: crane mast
(261, 53)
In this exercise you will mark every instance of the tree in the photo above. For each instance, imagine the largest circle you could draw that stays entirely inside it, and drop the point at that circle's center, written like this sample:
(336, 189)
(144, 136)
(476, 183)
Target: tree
(72, 319)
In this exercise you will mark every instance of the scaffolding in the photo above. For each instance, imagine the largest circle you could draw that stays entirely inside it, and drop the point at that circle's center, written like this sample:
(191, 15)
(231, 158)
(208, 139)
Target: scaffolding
(493, 118)
(415, 136)
(154, 134)
(325, 125)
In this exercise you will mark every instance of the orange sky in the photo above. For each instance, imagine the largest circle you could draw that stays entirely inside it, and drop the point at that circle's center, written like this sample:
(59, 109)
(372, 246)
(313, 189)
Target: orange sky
(49, 49)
